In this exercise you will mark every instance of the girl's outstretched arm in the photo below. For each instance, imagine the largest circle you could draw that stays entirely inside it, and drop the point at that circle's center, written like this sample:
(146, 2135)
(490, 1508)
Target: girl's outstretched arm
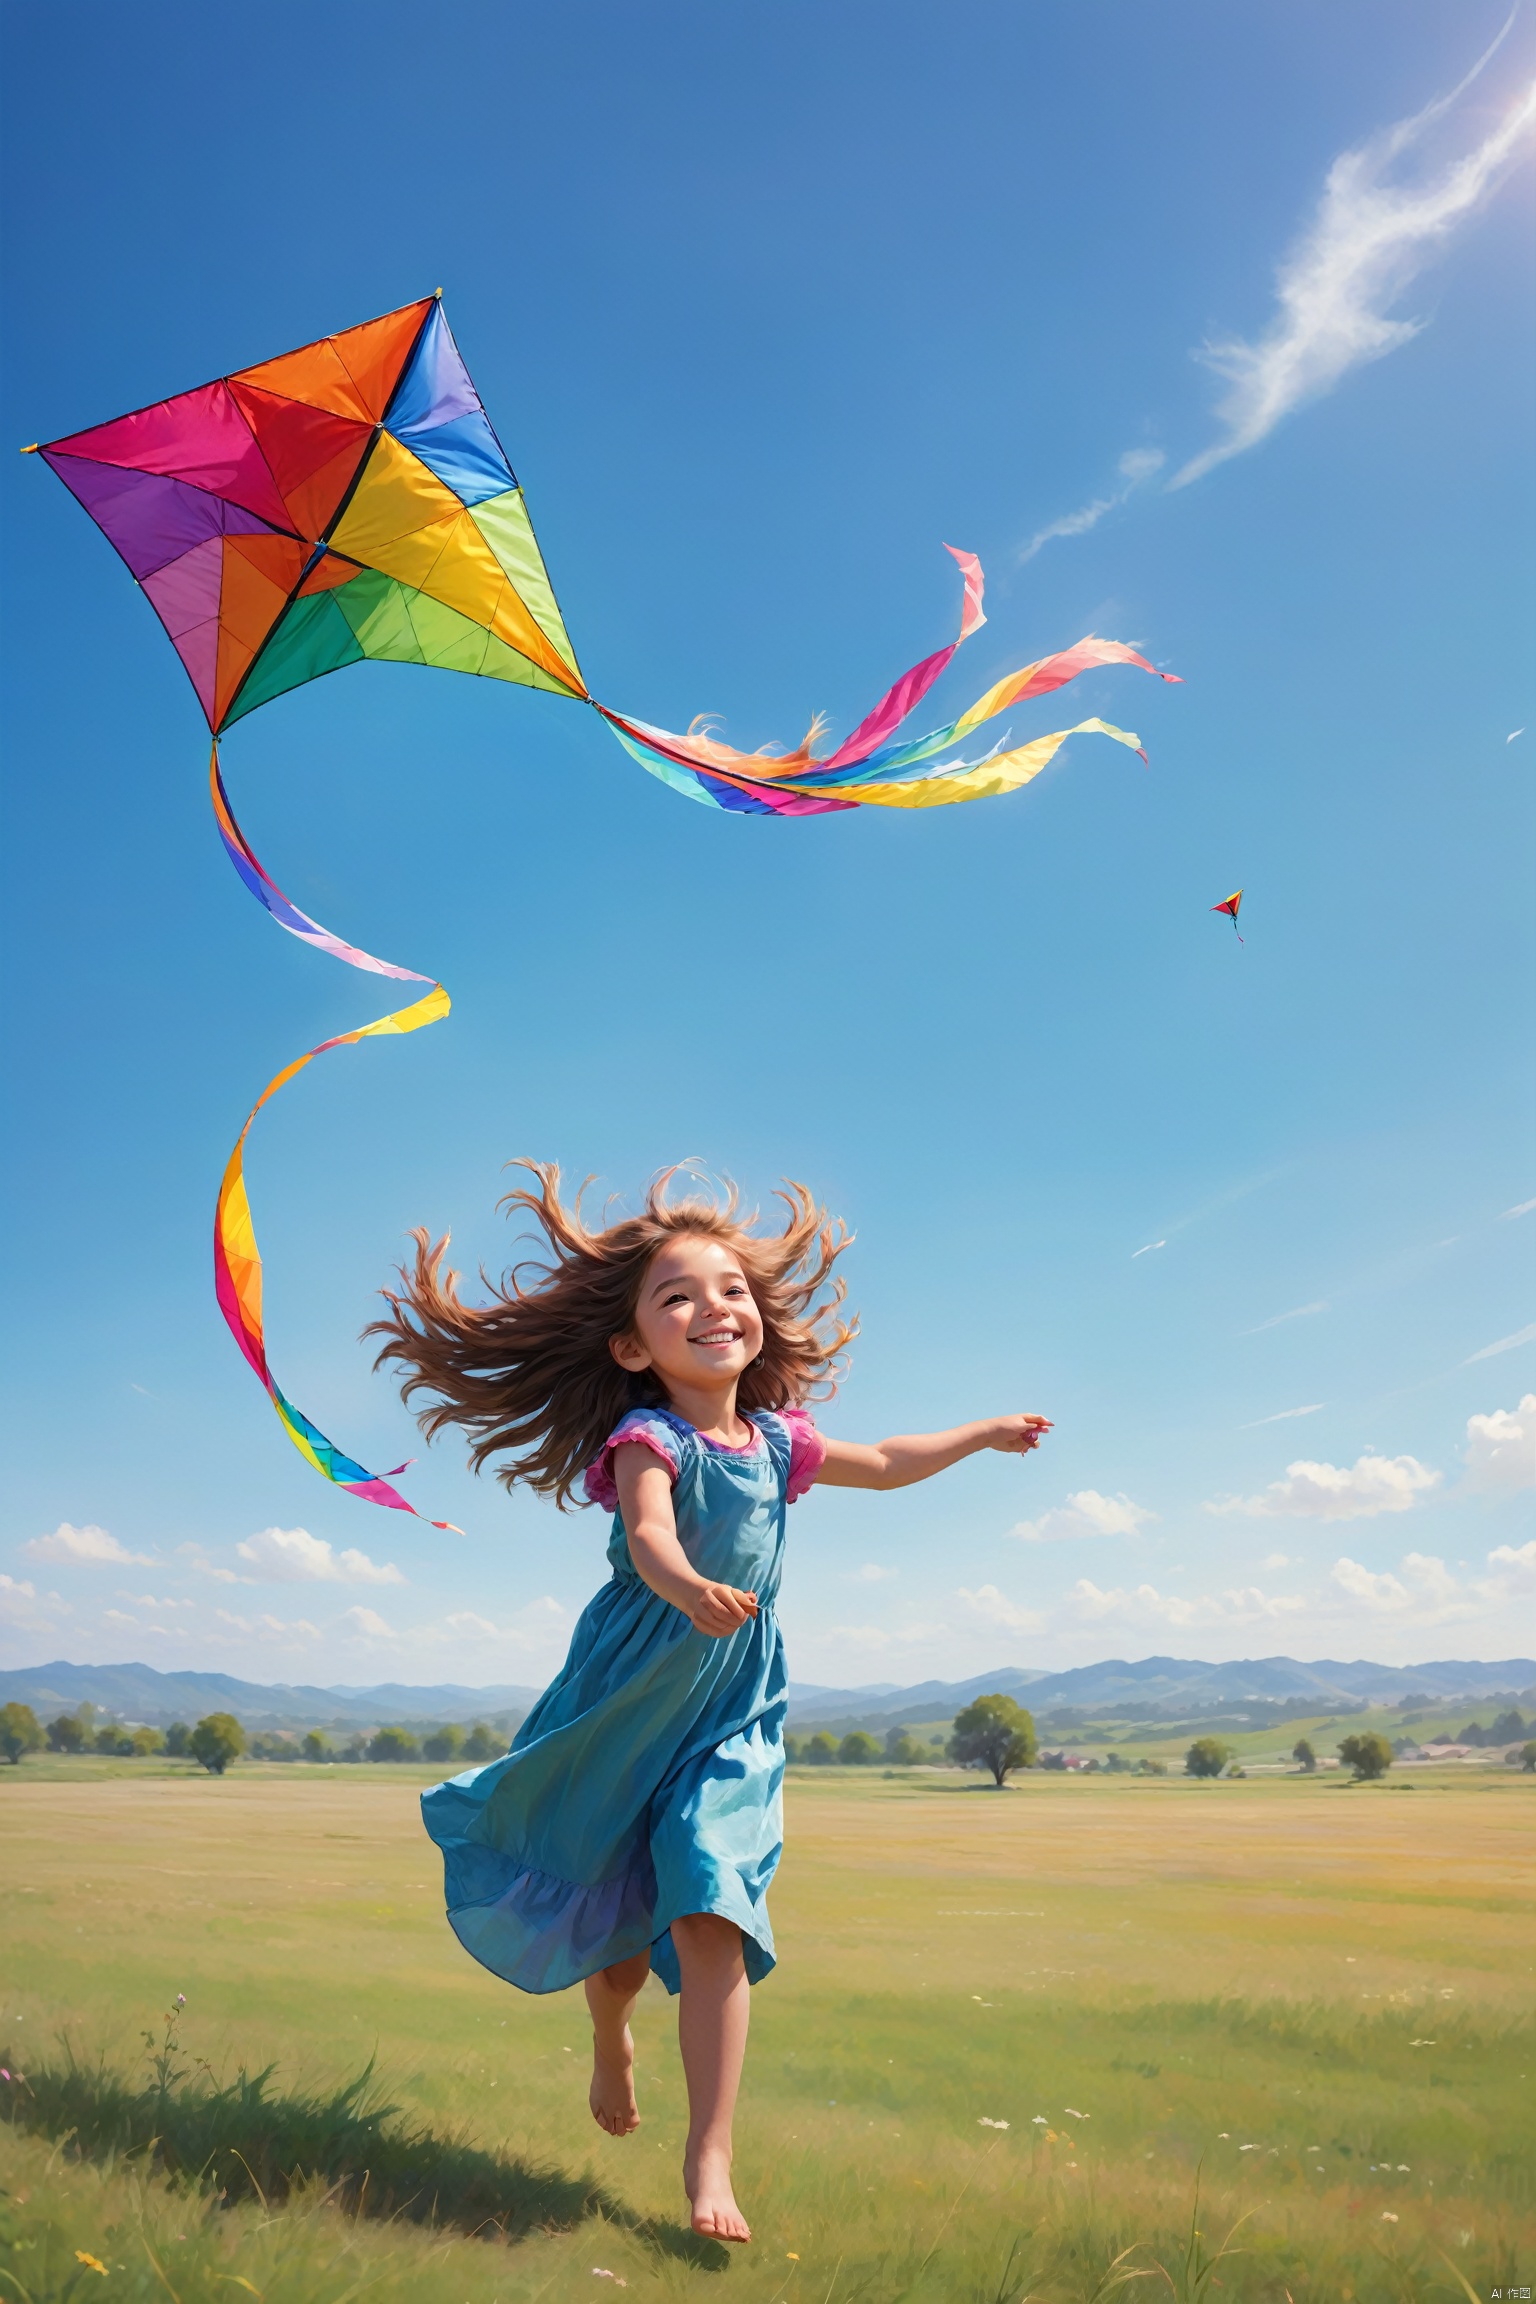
(645, 1500)
(918, 1455)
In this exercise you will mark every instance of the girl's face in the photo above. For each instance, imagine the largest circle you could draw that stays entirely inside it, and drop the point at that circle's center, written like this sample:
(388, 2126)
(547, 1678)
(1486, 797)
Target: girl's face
(695, 1323)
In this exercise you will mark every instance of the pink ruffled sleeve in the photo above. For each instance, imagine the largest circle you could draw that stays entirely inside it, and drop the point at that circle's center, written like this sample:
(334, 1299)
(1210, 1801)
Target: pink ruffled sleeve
(807, 1451)
(646, 1429)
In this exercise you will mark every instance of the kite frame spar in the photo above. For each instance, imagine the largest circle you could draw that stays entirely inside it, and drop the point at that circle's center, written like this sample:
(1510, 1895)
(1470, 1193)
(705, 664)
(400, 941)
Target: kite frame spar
(350, 501)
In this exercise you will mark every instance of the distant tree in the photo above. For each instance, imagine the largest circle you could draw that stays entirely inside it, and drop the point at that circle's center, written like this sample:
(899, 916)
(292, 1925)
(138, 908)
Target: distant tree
(443, 1743)
(354, 1749)
(792, 1749)
(1116, 1763)
(903, 1750)
(1151, 1767)
(1301, 1750)
(1055, 1761)
(318, 1746)
(1207, 1756)
(821, 1751)
(482, 1744)
(178, 1741)
(1528, 1758)
(19, 1732)
(146, 1742)
(1368, 1754)
(270, 1744)
(113, 1742)
(1474, 1734)
(1507, 1728)
(858, 1748)
(217, 1739)
(394, 1744)
(66, 1734)
(993, 1733)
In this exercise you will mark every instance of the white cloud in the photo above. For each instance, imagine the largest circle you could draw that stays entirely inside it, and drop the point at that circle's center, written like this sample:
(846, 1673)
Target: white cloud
(197, 1558)
(1147, 1251)
(1278, 1560)
(1147, 1606)
(23, 1591)
(1426, 1589)
(1504, 1344)
(293, 1556)
(996, 1608)
(1301, 1312)
(1357, 1491)
(364, 1624)
(88, 1547)
(872, 1572)
(1086, 1513)
(1136, 466)
(1514, 1573)
(148, 1600)
(1523, 1207)
(270, 1628)
(1285, 1415)
(1367, 242)
(470, 1626)
(1501, 1450)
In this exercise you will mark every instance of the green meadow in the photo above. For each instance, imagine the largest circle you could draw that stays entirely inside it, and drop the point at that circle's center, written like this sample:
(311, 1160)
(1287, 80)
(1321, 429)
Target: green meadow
(1256, 2039)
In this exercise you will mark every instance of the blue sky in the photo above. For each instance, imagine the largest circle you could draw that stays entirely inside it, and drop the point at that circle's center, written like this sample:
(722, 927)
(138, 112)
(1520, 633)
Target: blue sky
(1150, 310)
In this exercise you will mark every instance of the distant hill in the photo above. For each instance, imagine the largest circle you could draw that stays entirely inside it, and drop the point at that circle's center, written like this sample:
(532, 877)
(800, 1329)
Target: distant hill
(137, 1693)
(1166, 1685)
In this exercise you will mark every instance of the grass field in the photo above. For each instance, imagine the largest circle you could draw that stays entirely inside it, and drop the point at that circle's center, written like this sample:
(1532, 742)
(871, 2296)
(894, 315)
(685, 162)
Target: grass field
(1311, 2000)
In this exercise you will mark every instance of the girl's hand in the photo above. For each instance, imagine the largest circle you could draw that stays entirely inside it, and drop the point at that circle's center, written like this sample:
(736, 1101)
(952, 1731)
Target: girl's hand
(719, 1609)
(1016, 1435)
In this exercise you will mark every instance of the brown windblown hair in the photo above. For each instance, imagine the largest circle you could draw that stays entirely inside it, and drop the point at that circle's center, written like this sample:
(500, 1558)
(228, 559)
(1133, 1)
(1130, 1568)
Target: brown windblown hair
(530, 1375)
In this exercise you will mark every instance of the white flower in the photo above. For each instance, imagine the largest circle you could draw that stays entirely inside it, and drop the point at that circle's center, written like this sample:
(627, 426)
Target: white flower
(984, 2122)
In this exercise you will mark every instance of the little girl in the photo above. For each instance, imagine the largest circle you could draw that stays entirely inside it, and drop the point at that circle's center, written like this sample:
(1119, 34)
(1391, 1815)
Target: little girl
(663, 1364)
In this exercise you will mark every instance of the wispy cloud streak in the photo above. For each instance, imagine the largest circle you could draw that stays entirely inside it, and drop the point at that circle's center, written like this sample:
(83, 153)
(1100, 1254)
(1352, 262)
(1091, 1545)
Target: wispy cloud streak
(1367, 242)
(1136, 465)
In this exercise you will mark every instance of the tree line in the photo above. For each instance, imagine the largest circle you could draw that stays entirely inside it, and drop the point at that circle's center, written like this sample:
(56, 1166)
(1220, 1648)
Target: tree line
(218, 1738)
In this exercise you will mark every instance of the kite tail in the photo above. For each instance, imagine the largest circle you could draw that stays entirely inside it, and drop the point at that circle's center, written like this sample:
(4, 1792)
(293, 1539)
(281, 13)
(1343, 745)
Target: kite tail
(236, 1257)
(867, 770)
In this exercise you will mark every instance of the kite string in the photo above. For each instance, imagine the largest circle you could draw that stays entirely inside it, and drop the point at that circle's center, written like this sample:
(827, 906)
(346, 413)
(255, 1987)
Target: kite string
(236, 1257)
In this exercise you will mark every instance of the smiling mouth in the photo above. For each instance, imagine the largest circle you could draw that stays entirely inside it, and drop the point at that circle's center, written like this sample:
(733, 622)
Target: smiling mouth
(718, 1336)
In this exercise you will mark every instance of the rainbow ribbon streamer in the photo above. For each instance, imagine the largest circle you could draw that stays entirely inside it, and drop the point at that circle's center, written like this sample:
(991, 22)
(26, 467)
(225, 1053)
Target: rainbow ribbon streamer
(350, 502)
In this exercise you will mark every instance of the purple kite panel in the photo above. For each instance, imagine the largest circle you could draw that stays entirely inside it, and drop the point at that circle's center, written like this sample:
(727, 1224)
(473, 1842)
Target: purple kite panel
(152, 520)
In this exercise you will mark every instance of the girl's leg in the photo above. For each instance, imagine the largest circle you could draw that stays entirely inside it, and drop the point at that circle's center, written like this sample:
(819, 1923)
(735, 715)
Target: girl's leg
(611, 1996)
(712, 2031)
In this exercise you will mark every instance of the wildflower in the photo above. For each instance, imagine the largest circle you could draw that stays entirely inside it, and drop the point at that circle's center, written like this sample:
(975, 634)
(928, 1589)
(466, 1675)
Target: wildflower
(91, 2263)
(984, 2122)
(4, 2075)
(1051, 2136)
(1071, 2115)
(1387, 2216)
(1222, 2136)
(1250, 2147)
(1039, 2121)
(1403, 2168)
(181, 1999)
(601, 2272)
(792, 2255)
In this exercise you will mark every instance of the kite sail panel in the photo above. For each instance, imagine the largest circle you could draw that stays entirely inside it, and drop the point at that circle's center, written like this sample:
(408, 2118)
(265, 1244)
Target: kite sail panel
(350, 503)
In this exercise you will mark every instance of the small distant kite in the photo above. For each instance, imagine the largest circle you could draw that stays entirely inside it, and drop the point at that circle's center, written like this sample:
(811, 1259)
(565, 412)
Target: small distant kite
(1230, 908)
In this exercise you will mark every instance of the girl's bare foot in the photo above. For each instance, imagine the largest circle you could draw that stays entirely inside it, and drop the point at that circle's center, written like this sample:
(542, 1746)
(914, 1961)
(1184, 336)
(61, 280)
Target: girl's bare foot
(707, 2181)
(612, 2095)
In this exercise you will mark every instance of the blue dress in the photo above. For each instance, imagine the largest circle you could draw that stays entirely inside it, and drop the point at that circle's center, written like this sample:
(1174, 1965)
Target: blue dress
(647, 1781)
